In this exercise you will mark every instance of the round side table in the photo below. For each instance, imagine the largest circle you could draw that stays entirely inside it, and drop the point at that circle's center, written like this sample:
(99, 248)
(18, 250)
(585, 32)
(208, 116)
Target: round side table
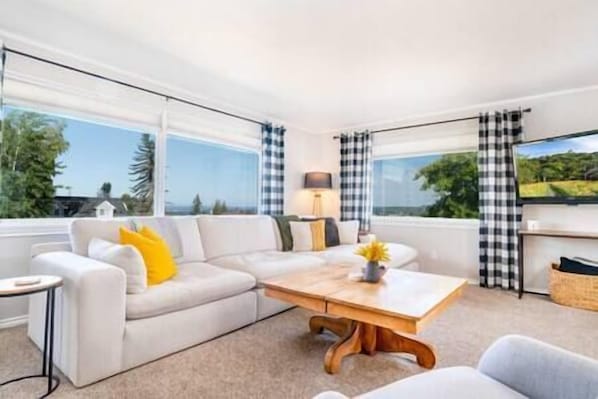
(10, 288)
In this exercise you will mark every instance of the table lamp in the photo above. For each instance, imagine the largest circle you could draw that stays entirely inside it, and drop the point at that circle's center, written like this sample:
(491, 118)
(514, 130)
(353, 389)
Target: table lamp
(318, 181)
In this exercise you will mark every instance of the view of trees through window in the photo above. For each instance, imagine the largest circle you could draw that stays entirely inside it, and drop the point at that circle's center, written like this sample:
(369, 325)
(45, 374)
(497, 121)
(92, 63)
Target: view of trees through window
(52, 166)
(209, 178)
(430, 186)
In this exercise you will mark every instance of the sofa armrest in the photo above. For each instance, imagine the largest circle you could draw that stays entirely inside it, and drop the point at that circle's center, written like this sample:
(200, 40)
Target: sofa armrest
(90, 315)
(538, 370)
(38, 249)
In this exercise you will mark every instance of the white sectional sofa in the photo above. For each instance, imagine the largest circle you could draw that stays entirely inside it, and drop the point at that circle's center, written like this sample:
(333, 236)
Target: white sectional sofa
(101, 330)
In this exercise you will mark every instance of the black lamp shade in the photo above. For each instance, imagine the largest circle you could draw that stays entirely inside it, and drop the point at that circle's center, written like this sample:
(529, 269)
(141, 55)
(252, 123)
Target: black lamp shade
(318, 180)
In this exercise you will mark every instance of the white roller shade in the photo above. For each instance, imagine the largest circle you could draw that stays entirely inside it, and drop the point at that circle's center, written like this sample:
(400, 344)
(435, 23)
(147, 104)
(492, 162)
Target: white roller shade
(50, 88)
(196, 122)
(428, 140)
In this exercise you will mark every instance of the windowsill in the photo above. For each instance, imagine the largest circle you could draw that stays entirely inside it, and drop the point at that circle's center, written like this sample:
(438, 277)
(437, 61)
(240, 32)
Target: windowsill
(416, 221)
(33, 227)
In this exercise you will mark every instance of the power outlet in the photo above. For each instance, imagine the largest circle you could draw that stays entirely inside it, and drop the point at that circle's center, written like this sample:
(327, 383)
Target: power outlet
(434, 254)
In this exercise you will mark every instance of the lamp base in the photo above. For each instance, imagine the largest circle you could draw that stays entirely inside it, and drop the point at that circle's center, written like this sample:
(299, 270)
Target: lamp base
(317, 208)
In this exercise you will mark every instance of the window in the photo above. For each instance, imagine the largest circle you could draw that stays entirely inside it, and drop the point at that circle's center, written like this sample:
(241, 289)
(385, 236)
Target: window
(53, 166)
(208, 178)
(444, 185)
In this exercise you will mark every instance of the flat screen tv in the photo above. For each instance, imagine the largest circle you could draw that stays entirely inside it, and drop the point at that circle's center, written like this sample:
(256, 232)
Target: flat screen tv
(560, 170)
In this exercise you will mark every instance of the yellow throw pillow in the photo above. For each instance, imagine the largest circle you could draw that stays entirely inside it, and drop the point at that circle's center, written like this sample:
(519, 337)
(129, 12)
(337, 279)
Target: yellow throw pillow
(318, 235)
(155, 252)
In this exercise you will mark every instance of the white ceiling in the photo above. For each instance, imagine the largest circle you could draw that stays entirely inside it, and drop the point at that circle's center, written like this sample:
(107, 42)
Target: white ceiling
(330, 64)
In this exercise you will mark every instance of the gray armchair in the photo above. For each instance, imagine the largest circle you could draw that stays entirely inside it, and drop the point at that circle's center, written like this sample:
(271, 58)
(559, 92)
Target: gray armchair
(512, 367)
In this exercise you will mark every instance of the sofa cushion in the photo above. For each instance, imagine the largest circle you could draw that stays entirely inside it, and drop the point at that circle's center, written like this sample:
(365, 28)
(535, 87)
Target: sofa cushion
(400, 255)
(83, 230)
(166, 228)
(453, 382)
(196, 283)
(231, 235)
(181, 234)
(348, 232)
(268, 264)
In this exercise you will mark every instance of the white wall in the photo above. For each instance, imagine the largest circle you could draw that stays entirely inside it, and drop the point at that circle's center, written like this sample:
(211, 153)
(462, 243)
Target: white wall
(307, 153)
(452, 247)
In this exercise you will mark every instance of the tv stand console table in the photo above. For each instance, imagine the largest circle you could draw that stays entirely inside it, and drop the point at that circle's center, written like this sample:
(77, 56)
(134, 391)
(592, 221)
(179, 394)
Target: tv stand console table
(585, 235)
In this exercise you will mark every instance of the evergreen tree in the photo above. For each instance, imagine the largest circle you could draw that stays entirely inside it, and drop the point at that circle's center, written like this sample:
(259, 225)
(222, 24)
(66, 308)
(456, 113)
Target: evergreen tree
(196, 205)
(216, 207)
(29, 151)
(105, 190)
(142, 174)
(219, 207)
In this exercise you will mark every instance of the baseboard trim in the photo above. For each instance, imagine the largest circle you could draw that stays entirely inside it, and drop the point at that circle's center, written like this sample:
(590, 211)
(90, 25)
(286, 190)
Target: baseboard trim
(13, 321)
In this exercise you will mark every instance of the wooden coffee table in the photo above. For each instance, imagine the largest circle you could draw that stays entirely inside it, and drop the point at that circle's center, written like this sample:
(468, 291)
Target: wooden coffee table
(369, 317)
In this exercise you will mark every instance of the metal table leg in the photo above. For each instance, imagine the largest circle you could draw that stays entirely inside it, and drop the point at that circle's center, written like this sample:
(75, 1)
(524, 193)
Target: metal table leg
(520, 264)
(47, 364)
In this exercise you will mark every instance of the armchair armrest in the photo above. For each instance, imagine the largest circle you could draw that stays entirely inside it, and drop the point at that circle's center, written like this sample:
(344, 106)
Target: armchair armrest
(90, 315)
(539, 370)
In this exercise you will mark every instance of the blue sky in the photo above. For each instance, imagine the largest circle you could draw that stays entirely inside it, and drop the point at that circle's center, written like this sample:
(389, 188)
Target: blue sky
(213, 171)
(394, 183)
(102, 153)
(543, 148)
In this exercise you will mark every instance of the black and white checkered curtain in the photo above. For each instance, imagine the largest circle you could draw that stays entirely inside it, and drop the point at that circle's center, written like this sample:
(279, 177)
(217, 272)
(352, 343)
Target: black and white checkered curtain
(500, 215)
(356, 178)
(272, 181)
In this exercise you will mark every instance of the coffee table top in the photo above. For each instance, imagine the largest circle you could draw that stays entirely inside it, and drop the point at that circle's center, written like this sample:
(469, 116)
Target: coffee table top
(402, 299)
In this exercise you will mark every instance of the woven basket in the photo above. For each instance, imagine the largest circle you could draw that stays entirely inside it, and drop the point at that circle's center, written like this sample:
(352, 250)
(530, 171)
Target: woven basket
(576, 290)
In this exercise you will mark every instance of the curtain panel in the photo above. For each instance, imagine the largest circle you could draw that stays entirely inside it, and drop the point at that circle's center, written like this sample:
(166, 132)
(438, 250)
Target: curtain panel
(500, 216)
(272, 181)
(356, 178)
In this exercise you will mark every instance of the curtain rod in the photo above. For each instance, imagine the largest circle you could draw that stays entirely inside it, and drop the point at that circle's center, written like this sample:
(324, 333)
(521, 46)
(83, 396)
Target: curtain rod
(130, 85)
(428, 124)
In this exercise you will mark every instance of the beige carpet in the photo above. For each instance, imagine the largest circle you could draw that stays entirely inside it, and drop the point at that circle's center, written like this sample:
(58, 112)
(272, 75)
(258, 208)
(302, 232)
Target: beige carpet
(278, 358)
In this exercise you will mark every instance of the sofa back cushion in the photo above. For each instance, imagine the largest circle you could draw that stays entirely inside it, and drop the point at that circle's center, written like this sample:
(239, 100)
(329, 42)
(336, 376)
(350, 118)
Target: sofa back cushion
(232, 235)
(180, 233)
(83, 230)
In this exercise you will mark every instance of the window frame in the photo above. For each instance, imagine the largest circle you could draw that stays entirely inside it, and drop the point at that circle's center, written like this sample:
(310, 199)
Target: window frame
(428, 221)
(160, 131)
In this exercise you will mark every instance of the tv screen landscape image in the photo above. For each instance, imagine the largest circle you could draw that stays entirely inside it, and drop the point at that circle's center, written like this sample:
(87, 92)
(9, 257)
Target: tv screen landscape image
(559, 170)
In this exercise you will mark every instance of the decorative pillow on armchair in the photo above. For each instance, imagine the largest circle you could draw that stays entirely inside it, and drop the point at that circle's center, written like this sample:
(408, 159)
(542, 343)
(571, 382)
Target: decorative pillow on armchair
(126, 257)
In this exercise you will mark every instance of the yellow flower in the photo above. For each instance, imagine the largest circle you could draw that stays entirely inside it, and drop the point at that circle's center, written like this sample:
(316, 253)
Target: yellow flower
(375, 251)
